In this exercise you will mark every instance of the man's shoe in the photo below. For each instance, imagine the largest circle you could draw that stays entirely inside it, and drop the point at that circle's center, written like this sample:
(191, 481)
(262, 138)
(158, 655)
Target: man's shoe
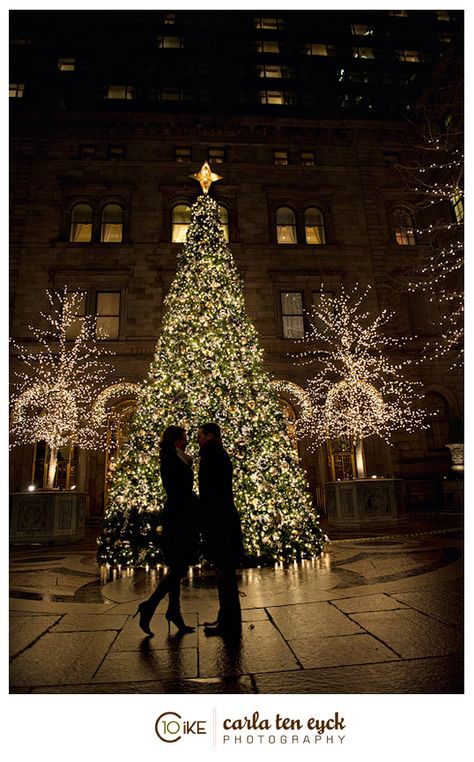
(211, 630)
(223, 633)
(211, 624)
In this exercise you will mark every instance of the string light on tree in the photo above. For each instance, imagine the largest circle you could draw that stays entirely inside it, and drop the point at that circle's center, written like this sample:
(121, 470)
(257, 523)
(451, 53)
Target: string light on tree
(54, 391)
(208, 366)
(434, 188)
(357, 389)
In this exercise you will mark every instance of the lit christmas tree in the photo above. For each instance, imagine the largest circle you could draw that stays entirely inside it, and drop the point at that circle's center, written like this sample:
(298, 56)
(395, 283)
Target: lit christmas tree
(358, 389)
(55, 390)
(208, 366)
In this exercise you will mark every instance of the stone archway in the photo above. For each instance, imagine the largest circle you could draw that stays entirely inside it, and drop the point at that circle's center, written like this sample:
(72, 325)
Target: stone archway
(112, 411)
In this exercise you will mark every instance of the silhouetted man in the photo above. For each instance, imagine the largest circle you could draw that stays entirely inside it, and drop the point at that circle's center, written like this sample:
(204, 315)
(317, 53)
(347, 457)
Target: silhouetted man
(222, 534)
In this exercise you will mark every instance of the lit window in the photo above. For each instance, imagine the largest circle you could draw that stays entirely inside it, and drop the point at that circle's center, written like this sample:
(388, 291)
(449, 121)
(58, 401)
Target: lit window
(111, 230)
(307, 158)
(180, 221)
(270, 71)
(171, 42)
(22, 40)
(120, 92)
(285, 225)
(314, 229)
(445, 37)
(16, 91)
(108, 315)
(363, 53)
(400, 14)
(224, 218)
(116, 152)
(443, 16)
(362, 30)
(263, 22)
(86, 151)
(78, 303)
(319, 49)
(268, 46)
(81, 224)
(410, 56)
(182, 155)
(216, 155)
(458, 205)
(276, 98)
(292, 314)
(66, 64)
(403, 227)
(280, 157)
(171, 94)
(170, 18)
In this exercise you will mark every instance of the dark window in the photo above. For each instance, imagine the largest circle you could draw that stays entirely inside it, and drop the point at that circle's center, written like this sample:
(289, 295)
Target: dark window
(292, 314)
(108, 315)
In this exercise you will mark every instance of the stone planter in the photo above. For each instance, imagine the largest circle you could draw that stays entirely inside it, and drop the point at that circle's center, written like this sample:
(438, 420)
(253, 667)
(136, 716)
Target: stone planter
(457, 456)
(361, 503)
(47, 517)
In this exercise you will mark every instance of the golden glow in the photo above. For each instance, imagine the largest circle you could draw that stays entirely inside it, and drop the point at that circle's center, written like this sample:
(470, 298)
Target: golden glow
(206, 177)
(357, 389)
(55, 391)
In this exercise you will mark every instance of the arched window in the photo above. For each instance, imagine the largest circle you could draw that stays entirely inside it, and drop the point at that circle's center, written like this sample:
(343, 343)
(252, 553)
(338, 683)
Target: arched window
(314, 229)
(111, 230)
(285, 225)
(180, 221)
(224, 218)
(403, 227)
(81, 224)
(437, 433)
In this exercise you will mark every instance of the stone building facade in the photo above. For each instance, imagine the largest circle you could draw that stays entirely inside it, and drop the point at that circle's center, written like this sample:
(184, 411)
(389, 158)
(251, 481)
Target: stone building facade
(138, 167)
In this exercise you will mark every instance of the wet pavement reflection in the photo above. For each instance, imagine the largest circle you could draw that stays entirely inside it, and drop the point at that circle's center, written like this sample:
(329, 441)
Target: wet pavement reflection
(381, 613)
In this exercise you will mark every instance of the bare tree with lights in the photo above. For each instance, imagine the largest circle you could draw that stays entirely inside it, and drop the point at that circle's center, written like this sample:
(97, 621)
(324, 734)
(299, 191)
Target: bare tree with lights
(55, 389)
(434, 186)
(357, 389)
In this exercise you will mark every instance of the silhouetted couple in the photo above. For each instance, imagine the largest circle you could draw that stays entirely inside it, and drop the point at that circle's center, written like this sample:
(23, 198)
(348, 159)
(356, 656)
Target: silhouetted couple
(184, 516)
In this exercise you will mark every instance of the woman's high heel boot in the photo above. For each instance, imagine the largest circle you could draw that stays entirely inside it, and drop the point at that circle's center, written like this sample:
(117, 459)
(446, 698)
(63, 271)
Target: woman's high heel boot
(178, 621)
(146, 613)
(173, 614)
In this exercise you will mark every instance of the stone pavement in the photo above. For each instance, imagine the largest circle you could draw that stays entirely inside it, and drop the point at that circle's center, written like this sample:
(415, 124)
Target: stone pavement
(374, 614)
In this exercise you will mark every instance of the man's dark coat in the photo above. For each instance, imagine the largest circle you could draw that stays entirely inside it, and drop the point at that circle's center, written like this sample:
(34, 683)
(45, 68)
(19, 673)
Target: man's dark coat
(222, 534)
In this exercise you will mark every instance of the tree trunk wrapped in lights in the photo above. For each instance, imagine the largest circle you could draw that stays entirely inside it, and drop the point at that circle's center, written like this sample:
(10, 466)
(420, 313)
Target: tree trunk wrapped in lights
(208, 366)
(54, 393)
(357, 390)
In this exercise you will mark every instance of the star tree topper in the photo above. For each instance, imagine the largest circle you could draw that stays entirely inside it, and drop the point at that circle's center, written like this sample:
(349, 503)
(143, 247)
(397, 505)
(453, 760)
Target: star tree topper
(206, 177)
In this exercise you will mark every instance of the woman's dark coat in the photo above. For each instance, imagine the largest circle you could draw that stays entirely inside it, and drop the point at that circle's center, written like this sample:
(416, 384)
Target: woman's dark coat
(179, 537)
(222, 534)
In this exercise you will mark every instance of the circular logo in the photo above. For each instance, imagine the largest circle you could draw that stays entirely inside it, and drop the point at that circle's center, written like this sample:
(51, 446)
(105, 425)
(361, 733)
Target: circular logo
(168, 727)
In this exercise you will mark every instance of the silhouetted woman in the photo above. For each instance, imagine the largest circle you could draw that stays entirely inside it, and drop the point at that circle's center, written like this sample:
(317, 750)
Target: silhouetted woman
(179, 538)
